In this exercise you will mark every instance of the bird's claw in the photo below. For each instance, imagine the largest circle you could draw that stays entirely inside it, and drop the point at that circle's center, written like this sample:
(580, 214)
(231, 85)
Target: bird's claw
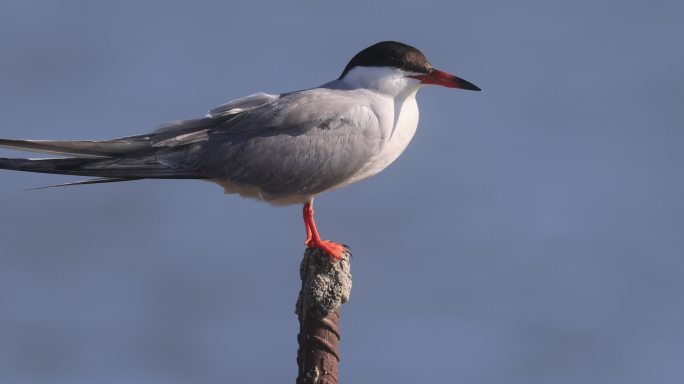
(333, 249)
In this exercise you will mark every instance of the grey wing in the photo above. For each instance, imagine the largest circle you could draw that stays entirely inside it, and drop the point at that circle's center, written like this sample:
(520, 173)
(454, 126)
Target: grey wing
(173, 134)
(302, 144)
(160, 154)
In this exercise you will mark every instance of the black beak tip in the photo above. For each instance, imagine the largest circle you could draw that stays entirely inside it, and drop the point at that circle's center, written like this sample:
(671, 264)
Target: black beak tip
(475, 88)
(467, 85)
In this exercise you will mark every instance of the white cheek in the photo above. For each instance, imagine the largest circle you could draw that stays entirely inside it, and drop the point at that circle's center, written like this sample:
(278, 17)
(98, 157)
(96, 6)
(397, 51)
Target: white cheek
(390, 81)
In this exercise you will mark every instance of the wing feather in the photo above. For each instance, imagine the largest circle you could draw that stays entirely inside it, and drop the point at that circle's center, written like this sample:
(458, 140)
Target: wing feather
(302, 144)
(242, 104)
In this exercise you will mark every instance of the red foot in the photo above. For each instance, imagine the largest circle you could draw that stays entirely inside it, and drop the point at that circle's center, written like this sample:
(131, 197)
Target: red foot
(313, 240)
(335, 250)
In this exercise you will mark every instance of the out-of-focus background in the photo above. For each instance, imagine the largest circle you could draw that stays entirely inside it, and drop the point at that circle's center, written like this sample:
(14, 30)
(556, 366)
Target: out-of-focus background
(532, 233)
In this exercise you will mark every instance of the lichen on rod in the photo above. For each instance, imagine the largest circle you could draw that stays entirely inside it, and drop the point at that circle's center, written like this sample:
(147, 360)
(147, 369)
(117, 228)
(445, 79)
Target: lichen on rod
(326, 285)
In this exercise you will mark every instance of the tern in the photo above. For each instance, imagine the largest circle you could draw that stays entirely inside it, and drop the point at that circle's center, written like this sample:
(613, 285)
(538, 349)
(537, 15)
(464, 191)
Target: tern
(278, 148)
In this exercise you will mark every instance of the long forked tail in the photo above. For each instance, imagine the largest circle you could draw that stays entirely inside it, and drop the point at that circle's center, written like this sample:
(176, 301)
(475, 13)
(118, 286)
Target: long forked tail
(131, 168)
(80, 148)
(115, 160)
(59, 166)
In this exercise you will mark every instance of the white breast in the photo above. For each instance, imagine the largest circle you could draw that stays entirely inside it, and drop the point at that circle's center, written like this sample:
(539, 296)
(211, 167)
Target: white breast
(399, 125)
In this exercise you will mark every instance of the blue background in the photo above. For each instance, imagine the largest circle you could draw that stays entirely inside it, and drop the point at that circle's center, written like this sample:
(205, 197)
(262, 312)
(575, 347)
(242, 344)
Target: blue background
(532, 233)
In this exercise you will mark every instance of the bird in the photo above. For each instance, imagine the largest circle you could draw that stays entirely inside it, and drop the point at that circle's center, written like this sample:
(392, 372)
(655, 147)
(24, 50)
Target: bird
(282, 149)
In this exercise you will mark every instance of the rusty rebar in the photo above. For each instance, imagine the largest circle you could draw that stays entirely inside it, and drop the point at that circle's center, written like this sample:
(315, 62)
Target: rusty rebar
(326, 285)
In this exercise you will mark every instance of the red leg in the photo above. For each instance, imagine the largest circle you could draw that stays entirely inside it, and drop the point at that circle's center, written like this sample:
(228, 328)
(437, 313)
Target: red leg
(313, 240)
(308, 212)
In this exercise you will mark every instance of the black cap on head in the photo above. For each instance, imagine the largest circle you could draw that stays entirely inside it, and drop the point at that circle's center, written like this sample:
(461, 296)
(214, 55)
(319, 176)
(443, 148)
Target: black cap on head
(390, 54)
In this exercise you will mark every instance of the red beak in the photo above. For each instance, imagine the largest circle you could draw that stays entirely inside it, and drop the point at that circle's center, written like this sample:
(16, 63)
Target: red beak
(437, 77)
